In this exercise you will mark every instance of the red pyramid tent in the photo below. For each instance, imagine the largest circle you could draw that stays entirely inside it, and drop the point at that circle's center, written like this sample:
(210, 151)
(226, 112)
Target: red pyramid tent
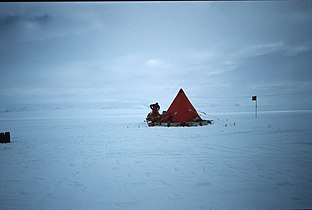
(181, 110)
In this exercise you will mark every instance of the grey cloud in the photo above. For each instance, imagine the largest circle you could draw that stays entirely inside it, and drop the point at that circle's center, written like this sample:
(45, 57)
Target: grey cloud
(8, 21)
(42, 20)
(11, 20)
(271, 48)
(144, 52)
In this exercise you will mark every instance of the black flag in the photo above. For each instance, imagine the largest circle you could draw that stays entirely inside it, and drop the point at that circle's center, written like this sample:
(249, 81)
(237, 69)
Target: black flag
(254, 98)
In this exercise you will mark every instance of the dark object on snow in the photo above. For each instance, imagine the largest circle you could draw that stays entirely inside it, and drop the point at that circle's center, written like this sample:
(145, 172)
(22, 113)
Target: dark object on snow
(2, 138)
(7, 137)
(154, 116)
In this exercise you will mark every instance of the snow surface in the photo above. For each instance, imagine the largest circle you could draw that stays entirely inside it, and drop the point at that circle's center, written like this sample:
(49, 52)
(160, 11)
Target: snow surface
(110, 159)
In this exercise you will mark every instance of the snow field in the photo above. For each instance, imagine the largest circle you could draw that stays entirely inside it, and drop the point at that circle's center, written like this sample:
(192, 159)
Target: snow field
(116, 163)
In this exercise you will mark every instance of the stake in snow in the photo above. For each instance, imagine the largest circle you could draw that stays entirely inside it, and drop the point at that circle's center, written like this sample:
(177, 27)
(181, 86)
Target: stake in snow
(180, 113)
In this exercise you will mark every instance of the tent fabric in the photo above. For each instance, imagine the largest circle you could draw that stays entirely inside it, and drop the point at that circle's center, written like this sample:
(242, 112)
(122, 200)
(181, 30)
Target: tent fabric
(181, 110)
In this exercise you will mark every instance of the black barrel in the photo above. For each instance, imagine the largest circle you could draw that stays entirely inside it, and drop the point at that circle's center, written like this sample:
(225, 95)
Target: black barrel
(7, 137)
(2, 138)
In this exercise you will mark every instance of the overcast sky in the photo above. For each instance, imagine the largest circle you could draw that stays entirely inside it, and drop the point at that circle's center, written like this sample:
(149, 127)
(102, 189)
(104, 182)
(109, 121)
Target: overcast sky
(220, 53)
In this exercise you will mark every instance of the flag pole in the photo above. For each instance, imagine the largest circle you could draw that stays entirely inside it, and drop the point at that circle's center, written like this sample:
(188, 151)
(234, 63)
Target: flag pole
(256, 106)
(254, 98)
